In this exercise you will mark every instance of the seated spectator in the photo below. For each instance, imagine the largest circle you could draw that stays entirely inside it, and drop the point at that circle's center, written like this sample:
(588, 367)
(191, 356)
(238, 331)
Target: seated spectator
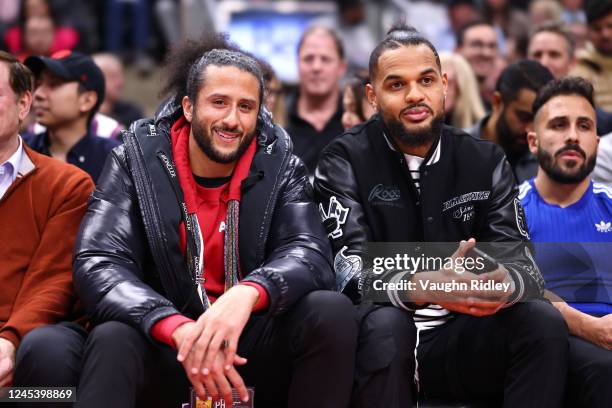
(315, 112)
(69, 91)
(275, 102)
(357, 108)
(403, 177)
(594, 62)
(114, 105)
(41, 204)
(477, 42)
(463, 106)
(38, 32)
(563, 205)
(511, 116)
(216, 179)
(553, 46)
(603, 169)
(544, 11)
(510, 23)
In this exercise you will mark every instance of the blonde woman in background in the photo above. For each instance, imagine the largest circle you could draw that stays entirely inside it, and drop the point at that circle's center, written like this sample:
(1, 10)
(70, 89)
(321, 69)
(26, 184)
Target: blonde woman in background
(463, 106)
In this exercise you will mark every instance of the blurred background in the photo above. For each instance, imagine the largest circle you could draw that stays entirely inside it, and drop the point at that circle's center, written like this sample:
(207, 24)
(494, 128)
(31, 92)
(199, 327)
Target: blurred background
(135, 35)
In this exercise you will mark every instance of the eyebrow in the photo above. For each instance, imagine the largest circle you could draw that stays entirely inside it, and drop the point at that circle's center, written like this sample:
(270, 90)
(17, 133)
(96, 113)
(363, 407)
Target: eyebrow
(218, 95)
(424, 72)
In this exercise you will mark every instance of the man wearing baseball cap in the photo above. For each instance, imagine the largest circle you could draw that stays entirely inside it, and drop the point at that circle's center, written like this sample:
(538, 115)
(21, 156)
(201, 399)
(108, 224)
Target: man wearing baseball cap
(69, 91)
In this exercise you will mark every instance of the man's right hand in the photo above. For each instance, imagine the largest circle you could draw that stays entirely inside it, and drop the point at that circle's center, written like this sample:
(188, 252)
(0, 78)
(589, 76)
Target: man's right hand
(221, 380)
(598, 330)
(472, 302)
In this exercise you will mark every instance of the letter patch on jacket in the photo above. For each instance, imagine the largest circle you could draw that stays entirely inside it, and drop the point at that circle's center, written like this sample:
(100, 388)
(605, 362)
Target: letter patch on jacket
(334, 218)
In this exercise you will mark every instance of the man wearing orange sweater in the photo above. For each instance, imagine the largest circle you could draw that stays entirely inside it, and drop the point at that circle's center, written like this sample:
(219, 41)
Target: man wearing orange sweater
(42, 201)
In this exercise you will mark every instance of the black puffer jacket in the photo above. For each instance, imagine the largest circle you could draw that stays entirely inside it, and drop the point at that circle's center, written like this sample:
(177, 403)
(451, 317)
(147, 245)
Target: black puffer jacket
(128, 265)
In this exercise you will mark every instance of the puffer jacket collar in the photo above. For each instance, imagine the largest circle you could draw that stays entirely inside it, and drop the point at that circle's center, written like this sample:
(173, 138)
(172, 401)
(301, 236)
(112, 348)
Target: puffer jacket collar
(267, 175)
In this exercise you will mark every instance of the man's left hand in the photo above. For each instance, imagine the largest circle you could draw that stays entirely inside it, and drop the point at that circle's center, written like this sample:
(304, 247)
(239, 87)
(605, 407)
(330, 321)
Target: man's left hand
(7, 362)
(219, 328)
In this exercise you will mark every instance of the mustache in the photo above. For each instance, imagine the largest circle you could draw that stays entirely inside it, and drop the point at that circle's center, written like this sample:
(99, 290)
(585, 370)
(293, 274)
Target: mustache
(571, 147)
(416, 105)
(236, 129)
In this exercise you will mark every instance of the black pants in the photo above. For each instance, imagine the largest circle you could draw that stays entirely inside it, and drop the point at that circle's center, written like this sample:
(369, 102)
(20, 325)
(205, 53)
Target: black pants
(304, 358)
(515, 358)
(590, 375)
(385, 364)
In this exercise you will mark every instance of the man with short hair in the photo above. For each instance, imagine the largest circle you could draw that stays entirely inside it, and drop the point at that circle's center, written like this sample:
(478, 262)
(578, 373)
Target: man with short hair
(553, 46)
(403, 176)
(594, 62)
(69, 91)
(202, 237)
(563, 205)
(41, 204)
(477, 42)
(315, 112)
(511, 116)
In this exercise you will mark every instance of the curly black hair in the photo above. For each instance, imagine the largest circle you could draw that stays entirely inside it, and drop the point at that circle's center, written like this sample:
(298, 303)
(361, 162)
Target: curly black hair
(179, 60)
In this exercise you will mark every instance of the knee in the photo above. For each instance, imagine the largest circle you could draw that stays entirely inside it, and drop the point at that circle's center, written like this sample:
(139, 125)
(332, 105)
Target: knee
(391, 322)
(333, 315)
(104, 337)
(46, 343)
(543, 321)
(387, 338)
(49, 355)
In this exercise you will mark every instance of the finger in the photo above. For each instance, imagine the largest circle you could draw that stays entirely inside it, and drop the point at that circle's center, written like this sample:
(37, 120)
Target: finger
(230, 352)
(214, 346)
(225, 390)
(240, 361)
(464, 247)
(211, 387)
(200, 351)
(189, 339)
(198, 387)
(238, 384)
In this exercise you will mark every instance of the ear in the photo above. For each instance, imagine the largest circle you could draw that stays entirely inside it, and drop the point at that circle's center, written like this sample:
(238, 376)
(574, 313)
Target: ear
(497, 103)
(371, 95)
(444, 83)
(24, 103)
(87, 101)
(187, 108)
(532, 142)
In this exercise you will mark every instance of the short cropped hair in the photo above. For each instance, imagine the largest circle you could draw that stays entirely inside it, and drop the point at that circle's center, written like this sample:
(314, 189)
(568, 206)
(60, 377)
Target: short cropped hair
(564, 86)
(21, 79)
(524, 74)
(331, 32)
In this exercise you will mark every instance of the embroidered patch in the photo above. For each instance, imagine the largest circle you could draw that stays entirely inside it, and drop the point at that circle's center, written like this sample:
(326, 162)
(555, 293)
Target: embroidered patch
(521, 220)
(346, 267)
(464, 198)
(384, 193)
(335, 217)
(464, 213)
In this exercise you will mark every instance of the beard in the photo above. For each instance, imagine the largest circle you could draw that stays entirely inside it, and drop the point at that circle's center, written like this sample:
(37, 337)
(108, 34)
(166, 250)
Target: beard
(574, 175)
(204, 139)
(418, 137)
(508, 139)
